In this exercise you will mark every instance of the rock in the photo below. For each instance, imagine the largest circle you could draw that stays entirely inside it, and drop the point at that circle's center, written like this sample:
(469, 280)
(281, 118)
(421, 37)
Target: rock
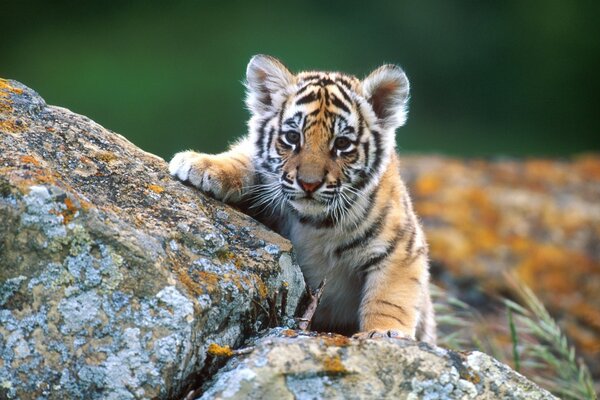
(288, 365)
(114, 278)
(539, 218)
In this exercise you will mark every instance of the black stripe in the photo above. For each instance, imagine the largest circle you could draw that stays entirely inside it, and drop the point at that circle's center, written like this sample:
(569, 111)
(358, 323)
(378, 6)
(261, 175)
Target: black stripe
(261, 135)
(315, 112)
(303, 89)
(376, 161)
(374, 261)
(366, 237)
(371, 204)
(366, 146)
(328, 222)
(309, 77)
(326, 81)
(269, 139)
(392, 304)
(346, 95)
(308, 98)
(319, 224)
(388, 316)
(411, 240)
(344, 82)
(378, 150)
(351, 156)
(339, 104)
(419, 252)
(237, 160)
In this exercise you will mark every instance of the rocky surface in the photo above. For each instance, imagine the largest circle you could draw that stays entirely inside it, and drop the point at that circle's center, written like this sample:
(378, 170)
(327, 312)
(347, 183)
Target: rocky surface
(537, 218)
(114, 278)
(288, 365)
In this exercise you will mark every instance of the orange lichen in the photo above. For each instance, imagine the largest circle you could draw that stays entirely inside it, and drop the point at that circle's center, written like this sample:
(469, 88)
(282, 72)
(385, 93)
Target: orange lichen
(156, 188)
(260, 287)
(333, 365)
(335, 340)
(5, 87)
(219, 351)
(30, 160)
(189, 283)
(9, 125)
(208, 278)
(5, 103)
(471, 376)
(69, 212)
(289, 333)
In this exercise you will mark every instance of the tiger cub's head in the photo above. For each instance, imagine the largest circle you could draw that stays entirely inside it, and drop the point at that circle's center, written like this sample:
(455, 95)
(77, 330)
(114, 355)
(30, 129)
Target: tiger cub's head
(323, 139)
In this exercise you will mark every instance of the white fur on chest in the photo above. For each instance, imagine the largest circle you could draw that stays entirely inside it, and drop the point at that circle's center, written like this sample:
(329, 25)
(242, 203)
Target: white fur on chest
(315, 251)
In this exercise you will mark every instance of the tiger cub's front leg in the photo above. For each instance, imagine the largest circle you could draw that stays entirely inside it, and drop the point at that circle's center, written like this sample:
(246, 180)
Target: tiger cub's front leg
(224, 176)
(394, 301)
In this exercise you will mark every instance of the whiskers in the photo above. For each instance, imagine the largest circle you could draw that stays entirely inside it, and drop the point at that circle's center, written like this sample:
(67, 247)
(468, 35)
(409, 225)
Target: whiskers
(344, 209)
(268, 198)
(344, 204)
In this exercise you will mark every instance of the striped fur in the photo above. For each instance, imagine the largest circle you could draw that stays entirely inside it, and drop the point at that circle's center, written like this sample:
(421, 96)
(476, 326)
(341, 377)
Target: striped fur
(319, 166)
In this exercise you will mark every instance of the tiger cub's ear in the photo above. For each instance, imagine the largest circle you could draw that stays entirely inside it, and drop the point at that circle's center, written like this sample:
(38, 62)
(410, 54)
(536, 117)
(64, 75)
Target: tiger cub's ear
(266, 79)
(386, 89)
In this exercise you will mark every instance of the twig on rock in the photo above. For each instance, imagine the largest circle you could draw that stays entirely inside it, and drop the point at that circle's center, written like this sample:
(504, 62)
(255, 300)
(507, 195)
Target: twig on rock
(315, 297)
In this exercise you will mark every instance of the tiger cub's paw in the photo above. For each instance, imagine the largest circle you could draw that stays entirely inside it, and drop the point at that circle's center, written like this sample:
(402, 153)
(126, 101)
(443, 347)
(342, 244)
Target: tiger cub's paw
(209, 173)
(376, 334)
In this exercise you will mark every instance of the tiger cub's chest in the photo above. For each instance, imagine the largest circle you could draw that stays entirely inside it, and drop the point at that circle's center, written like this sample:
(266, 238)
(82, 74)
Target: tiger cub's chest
(316, 254)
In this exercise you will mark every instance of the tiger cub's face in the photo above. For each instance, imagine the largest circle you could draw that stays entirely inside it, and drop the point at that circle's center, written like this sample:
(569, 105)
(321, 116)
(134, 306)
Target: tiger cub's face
(323, 139)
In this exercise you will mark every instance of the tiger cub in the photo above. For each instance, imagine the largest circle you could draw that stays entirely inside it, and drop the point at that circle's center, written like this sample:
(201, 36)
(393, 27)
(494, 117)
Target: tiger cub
(319, 166)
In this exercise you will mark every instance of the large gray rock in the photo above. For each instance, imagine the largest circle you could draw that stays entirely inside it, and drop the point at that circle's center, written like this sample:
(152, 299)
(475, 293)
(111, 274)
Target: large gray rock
(287, 365)
(115, 279)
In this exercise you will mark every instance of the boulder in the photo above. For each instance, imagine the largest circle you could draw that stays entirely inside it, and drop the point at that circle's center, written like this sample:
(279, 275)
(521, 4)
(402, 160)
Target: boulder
(289, 365)
(114, 278)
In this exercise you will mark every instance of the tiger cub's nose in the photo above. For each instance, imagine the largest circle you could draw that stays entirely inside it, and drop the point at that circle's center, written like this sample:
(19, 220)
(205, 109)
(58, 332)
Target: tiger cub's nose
(309, 187)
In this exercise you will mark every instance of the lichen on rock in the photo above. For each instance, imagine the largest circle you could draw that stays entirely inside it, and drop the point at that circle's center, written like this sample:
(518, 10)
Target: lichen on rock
(308, 366)
(114, 278)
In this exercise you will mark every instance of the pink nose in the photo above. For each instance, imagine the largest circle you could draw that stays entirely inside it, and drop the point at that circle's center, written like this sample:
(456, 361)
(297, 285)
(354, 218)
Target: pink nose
(309, 187)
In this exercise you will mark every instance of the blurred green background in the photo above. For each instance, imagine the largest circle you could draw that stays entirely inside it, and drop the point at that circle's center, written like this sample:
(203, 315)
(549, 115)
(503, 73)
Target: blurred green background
(511, 78)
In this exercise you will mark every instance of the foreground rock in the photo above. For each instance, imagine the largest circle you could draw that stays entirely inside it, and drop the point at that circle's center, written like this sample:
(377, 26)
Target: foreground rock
(114, 279)
(285, 365)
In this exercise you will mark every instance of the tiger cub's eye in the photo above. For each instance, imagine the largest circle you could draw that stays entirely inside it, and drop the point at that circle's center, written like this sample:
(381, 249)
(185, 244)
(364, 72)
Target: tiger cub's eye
(342, 143)
(292, 137)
